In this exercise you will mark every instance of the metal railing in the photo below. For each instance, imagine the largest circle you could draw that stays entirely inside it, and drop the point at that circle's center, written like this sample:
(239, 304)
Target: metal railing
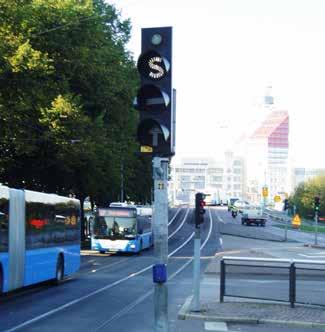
(272, 263)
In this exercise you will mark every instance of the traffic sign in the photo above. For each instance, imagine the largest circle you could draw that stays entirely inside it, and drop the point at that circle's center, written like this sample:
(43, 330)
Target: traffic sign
(277, 199)
(296, 221)
(146, 149)
(265, 191)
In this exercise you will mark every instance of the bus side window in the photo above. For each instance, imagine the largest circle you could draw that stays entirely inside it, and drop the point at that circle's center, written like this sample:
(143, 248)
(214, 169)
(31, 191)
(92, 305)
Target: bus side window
(4, 220)
(39, 224)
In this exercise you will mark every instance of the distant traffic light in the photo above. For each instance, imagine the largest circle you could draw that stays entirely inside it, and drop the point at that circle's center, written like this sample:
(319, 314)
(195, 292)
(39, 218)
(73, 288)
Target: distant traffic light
(154, 99)
(316, 203)
(199, 209)
(286, 204)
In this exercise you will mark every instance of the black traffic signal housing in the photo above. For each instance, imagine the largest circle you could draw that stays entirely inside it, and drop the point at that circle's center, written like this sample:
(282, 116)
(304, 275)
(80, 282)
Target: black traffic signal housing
(286, 205)
(199, 209)
(154, 99)
(316, 203)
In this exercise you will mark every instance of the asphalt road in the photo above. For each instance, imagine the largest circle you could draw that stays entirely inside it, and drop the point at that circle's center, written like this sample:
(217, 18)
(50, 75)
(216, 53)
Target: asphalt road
(114, 292)
(266, 282)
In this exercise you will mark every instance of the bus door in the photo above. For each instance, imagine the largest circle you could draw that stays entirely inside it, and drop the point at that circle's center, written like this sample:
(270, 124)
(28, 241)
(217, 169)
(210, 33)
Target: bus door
(16, 238)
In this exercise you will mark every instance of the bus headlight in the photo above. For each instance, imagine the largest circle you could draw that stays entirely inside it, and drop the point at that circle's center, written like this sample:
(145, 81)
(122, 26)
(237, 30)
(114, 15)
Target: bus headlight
(132, 246)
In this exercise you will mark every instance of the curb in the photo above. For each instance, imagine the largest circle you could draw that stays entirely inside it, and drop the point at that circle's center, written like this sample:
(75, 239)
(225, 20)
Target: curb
(297, 323)
(185, 308)
(256, 238)
(318, 246)
(185, 313)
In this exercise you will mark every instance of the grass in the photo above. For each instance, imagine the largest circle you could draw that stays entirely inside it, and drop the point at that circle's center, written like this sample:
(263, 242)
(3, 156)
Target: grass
(305, 228)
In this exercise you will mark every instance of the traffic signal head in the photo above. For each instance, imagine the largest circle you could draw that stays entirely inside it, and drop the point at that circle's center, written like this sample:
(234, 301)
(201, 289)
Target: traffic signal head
(286, 204)
(199, 208)
(316, 203)
(154, 97)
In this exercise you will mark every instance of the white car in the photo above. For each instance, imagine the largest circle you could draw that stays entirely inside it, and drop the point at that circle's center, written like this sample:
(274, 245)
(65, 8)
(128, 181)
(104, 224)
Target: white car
(240, 205)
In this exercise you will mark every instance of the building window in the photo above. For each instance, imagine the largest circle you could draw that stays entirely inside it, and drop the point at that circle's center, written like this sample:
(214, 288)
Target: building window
(216, 178)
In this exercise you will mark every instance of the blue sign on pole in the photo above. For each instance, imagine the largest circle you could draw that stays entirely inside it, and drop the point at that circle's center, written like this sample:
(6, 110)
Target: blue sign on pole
(159, 273)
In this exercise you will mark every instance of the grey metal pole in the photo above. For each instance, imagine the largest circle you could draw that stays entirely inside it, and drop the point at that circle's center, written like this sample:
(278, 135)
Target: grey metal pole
(160, 229)
(286, 227)
(316, 227)
(196, 270)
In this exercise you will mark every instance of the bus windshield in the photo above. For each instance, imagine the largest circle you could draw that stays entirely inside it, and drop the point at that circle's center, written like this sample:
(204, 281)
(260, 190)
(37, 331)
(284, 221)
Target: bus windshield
(114, 228)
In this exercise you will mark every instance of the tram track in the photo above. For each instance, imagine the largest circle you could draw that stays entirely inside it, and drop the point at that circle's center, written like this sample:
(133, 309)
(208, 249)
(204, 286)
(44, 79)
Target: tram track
(94, 268)
(150, 292)
(108, 286)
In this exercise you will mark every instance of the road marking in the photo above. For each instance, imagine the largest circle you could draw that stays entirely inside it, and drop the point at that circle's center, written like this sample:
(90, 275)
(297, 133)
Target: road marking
(69, 304)
(311, 256)
(188, 240)
(221, 220)
(108, 265)
(80, 299)
(124, 260)
(215, 326)
(180, 226)
(133, 304)
(174, 216)
(259, 281)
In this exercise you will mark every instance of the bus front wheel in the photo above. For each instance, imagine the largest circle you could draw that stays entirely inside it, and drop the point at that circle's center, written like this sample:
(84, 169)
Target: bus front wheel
(59, 274)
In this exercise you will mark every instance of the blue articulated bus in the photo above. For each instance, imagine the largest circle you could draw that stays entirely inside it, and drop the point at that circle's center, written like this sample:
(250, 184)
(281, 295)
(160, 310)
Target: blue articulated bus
(39, 237)
(121, 229)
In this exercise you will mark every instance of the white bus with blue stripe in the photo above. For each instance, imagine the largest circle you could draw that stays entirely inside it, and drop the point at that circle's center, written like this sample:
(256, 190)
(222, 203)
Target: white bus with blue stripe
(121, 229)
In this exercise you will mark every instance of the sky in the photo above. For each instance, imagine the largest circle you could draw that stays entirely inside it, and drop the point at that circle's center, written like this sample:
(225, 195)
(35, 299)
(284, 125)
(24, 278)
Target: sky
(225, 55)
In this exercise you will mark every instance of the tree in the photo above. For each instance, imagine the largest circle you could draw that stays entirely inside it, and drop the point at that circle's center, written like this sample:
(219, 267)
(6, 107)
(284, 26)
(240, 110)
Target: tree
(67, 84)
(305, 193)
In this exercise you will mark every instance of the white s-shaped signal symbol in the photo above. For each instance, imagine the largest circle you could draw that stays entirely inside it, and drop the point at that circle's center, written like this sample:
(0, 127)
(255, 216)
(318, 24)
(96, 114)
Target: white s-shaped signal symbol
(158, 70)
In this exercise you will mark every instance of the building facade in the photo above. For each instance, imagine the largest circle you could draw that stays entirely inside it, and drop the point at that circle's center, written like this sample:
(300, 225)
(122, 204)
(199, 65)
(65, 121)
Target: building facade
(223, 179)
(268, 155)
(301, 174)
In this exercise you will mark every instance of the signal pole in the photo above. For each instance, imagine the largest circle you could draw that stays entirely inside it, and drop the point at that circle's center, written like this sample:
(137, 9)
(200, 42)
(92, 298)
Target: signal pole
(286, 208)
(160, 229)
(156, 132)
(316, 227)
(199, 219)
(316, 209)
(196, 270)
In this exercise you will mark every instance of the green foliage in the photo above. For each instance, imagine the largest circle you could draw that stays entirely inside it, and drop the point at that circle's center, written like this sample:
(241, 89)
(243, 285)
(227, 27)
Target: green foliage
(305, 193)
(66, 88)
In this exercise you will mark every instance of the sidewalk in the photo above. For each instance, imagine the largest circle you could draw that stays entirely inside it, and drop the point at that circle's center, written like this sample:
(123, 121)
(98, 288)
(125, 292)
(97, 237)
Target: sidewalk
(249, 311)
